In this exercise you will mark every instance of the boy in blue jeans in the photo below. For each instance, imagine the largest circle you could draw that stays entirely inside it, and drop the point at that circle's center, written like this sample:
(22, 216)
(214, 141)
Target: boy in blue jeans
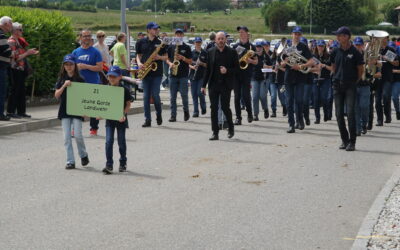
(114, 77)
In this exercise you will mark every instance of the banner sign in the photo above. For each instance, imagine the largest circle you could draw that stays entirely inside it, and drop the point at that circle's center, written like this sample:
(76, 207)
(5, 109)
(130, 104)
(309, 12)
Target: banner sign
(95, 100)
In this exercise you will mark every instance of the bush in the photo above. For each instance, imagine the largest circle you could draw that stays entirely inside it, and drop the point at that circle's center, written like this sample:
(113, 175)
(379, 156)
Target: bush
(52, 34)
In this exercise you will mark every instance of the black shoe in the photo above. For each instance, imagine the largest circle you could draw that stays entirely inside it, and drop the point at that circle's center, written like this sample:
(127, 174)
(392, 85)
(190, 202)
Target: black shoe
(231, 133)
(256, 118)
(266, 114)
(25, 115)
(273, 114)
(291, 130)
(203, 112)
(107, 170)
(4, 118)
(326, 118)
(238, 121)
(214, 137)
(122, 168)
(186, 116)
(172, 119)
(250, 118)
(379, 124)
(85, 161)
(195, 115)
(351, 147)
(370, 126)
(243, 108)
(344, 145)
(15, 116)
(398, 115)
(301, 124)
(358, 133)
(159, 120)
(388, 120)
(70, 166)
(284, 111)
(146, 124)
(297, 126)
(317, 121)
(225, 125)
(307, 121)
(364, 130)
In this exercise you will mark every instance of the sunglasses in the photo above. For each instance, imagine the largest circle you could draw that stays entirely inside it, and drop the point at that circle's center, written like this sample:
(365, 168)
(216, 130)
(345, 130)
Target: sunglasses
(101, 36)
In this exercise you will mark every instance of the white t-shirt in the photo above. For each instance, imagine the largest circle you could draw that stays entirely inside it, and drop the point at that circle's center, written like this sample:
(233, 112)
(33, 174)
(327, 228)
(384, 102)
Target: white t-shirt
(105, 54)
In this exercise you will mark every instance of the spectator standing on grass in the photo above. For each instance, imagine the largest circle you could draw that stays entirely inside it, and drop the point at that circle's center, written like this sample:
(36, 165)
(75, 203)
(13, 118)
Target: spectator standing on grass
(90, 63)
(5, 54)
(19, 72)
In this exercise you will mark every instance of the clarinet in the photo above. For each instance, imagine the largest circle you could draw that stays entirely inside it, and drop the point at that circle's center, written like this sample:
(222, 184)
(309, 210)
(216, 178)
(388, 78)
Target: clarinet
(197, 65)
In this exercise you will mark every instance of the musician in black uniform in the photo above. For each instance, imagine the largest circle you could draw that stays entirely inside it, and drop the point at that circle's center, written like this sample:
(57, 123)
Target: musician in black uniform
(295, 80)
(197, 70)
(222, 66)
(383, 91)
(347, 67)
(242, 87)
(151, 83)
(179, 82)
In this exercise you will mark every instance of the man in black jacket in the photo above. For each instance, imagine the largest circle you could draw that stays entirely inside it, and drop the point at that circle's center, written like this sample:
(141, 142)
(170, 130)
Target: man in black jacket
(222, 67)
(5, 54)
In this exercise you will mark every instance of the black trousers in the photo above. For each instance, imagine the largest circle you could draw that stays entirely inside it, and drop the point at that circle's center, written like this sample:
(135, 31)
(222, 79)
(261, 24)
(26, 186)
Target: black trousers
(346, 95)
(16, 100)
(215, 95)
(242, 89)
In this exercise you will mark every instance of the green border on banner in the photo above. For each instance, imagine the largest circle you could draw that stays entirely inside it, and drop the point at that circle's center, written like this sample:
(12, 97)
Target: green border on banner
(95, 100)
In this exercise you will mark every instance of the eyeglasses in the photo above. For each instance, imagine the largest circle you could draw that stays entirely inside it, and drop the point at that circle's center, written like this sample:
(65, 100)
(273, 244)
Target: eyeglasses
(100, 36)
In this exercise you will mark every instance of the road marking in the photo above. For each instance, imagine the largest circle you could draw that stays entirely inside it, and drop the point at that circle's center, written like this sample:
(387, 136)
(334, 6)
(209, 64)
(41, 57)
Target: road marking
(370, 237)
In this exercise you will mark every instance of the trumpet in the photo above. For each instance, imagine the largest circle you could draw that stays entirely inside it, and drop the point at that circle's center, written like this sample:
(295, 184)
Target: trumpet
(243, 60)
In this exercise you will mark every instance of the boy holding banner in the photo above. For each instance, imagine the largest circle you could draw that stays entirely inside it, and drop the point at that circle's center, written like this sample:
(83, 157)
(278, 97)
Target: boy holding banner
(114, 76)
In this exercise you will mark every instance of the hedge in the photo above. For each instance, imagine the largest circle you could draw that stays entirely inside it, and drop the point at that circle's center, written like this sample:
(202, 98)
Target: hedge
(360, 30)
(52, 34)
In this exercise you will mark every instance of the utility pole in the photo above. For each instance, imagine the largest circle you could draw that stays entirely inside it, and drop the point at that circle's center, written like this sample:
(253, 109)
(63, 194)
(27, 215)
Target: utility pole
(123, 16)
(311, 17)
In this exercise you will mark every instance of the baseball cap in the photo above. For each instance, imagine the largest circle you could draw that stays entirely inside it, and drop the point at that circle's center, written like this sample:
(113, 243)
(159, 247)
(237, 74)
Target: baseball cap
(392, 44)
(152, 25)
(178, 31)
(358, 41)
(69, 58)
(259, 44)
(198, 39)
(114, 71)
(343, 30)
(265, 43)
(321, 43)
(238, 28)
(297, 29)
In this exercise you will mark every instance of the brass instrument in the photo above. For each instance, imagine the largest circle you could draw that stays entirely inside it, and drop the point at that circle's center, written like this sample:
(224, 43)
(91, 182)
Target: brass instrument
(372, 51)
(243, 60)
(294, 57)
(150, 63)
(176, 62)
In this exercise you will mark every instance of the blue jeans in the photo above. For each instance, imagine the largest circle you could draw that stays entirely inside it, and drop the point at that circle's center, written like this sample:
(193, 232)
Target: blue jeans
(151, 88)
(383, 103)
(362, 107)
(67, 124)
(110, 130)
(321, 97)
(306, 100)
(3, 88)
(181, 85)
(259, 93)
(196, 95)
(275, 92)
(396, 95)
(294, 97)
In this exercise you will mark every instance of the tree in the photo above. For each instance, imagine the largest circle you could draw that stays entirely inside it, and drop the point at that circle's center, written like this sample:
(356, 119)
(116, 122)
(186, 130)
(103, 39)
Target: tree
(276, 16)
(388, 10)
(173, 5)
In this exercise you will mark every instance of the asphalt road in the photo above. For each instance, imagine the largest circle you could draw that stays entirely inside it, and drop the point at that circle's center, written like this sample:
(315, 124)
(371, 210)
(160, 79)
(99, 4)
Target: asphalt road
(263, 189)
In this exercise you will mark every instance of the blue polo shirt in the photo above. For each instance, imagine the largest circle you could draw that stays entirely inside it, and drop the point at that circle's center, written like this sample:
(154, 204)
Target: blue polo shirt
(90, 56)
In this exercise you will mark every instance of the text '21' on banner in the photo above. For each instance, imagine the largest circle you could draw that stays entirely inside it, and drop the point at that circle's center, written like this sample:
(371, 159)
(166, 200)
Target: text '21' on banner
(95, 100)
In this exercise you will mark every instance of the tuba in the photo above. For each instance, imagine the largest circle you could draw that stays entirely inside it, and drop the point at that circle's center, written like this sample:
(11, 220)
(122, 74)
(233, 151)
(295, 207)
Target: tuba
(372, 50)
(294, 57)
(243, 60)
(150, 64)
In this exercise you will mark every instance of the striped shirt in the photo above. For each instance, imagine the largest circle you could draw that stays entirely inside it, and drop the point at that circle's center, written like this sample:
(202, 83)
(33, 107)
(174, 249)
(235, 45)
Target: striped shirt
(5, 50)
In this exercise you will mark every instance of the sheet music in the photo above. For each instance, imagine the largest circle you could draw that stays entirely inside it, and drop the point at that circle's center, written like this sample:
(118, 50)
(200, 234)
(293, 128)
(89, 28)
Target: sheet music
(240, 49)
(390, 55)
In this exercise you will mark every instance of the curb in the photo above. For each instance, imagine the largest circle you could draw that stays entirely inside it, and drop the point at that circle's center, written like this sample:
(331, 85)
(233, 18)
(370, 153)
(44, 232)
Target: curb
(52, 122)
(369, 222)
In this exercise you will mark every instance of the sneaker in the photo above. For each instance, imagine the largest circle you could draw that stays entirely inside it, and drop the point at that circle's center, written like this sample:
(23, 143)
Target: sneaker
(107, 170)
(15, 116)
(122, 168)
(93, 132)
(351, 147)
(85, 161)
(70, 166)
(238, 121)
(25, 115)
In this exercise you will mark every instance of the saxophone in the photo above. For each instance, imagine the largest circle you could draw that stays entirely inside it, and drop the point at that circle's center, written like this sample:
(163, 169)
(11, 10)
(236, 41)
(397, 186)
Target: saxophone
(243, 60)
(150, 64)
(176, 62)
